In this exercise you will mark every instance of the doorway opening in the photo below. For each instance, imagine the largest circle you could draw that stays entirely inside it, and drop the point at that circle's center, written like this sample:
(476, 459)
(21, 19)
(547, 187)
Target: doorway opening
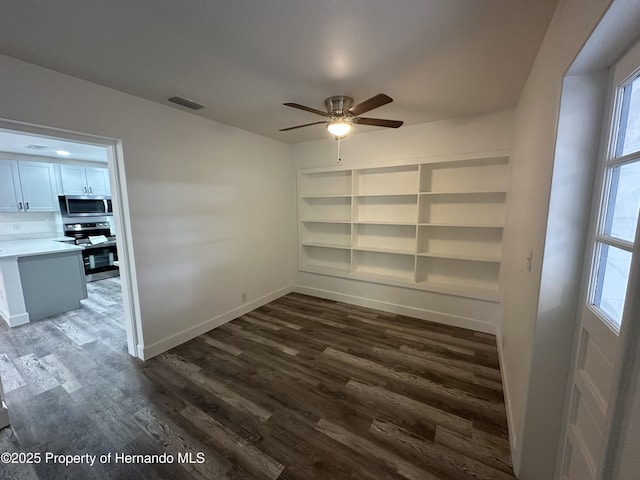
(99, 162)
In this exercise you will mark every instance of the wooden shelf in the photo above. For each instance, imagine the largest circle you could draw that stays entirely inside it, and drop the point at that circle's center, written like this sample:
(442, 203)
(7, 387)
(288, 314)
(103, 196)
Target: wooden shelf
(392, 194)
(489, 294)
(326, 245)
(324, 220)
(475, 192)
(383, 222)
(383, 250)
(451, 256)
(310, 197)
(434, 225)
(311, 268)
(397, 280)
(460, 225)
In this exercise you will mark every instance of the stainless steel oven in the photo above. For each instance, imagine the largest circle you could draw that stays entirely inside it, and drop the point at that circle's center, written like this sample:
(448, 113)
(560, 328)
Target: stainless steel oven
(100, 259)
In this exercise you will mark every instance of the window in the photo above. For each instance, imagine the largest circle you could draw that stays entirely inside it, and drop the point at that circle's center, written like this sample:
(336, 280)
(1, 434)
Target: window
(620, 204)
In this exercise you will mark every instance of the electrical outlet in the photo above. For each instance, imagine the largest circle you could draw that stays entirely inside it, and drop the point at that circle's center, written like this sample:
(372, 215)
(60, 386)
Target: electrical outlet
(243, 296)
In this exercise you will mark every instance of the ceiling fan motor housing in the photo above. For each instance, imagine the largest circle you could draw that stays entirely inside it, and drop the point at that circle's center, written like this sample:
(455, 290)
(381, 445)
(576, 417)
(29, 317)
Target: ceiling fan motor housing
(339, 105)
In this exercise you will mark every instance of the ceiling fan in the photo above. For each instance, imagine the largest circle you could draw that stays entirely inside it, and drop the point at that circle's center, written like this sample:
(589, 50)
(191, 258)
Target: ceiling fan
(341, 114)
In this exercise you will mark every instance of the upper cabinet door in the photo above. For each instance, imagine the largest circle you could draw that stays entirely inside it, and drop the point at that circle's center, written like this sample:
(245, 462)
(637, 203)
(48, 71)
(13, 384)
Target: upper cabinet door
(10, 194)
(38, 186)
(97, 181)
(74, 180)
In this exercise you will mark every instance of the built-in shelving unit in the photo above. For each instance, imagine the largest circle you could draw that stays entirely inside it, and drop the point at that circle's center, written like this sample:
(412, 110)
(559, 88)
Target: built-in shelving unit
(433, 225)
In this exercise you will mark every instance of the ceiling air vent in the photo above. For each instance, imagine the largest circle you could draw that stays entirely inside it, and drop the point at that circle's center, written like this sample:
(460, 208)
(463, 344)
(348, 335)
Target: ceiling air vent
(186, 103)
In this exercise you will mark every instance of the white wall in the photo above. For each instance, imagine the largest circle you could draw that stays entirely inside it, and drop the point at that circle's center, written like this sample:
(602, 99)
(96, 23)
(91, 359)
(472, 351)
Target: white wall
(482, 133)
(210, 205)
(538, 317)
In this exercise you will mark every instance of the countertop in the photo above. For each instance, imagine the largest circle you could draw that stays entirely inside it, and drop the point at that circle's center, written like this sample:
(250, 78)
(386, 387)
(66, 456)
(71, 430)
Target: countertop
(30, 247)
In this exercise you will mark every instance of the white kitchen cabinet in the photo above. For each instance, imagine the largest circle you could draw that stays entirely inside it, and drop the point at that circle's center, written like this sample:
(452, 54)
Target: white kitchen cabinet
(27, 186)
(78, 180)
(433, 225)
(98, 181)
(10, 191)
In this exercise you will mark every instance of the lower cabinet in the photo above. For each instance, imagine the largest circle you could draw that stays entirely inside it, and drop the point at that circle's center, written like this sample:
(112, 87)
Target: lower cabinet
(39, 286)
(52, 284)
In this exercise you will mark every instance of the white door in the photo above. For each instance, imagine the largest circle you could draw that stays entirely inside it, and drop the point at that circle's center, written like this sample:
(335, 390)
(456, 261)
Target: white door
(615, 241)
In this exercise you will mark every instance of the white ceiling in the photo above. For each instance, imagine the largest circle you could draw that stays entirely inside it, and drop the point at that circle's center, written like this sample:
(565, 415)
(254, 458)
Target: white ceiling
(243, 58)
(42, 146)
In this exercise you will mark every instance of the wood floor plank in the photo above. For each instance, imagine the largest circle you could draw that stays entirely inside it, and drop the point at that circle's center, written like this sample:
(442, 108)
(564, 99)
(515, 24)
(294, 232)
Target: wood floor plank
(246, 454)
(452, 465)
(61, 373)
(39, 378)
(221, 345)
(237, 330)
(450, 394)
(484, 371)
(365, 447)
(175, 441)
(79, 336)
(11, 378)
(220, 391)
(418, 410)
(273, 320)
(496, 456)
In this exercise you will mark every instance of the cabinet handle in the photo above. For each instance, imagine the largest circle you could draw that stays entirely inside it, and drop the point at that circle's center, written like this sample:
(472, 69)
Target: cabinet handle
(26, 206)
(19, 205)
(84, 189)
(90, 190)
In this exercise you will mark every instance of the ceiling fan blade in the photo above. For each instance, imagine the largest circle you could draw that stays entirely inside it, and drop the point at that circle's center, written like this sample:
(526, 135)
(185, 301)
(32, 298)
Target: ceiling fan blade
(373, 102)
(378, 122)
(300, 126)
(306, 109)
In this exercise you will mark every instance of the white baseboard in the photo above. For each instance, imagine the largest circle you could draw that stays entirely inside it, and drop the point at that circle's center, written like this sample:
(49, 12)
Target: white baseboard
(513, 439)
(15, 320)
(423, 314)
(147, 352)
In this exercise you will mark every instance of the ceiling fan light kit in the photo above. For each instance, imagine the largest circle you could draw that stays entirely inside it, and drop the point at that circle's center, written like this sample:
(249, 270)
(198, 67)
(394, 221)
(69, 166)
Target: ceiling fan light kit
(339, 128)
(342, 114)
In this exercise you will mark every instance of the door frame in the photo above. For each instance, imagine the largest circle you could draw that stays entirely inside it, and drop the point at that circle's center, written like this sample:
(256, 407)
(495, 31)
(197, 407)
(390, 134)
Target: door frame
(625, 383)
(120, 201)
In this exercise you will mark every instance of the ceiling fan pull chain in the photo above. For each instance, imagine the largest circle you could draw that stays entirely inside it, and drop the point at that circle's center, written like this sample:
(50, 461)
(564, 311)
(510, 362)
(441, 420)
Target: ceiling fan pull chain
(339, 159)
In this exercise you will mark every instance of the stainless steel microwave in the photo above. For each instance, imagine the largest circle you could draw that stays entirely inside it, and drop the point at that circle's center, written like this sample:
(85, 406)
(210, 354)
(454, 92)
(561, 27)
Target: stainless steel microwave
(85, 206)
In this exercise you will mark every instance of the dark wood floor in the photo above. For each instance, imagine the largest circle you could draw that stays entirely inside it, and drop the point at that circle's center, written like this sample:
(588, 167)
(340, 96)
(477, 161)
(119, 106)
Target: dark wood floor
(301, 388)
